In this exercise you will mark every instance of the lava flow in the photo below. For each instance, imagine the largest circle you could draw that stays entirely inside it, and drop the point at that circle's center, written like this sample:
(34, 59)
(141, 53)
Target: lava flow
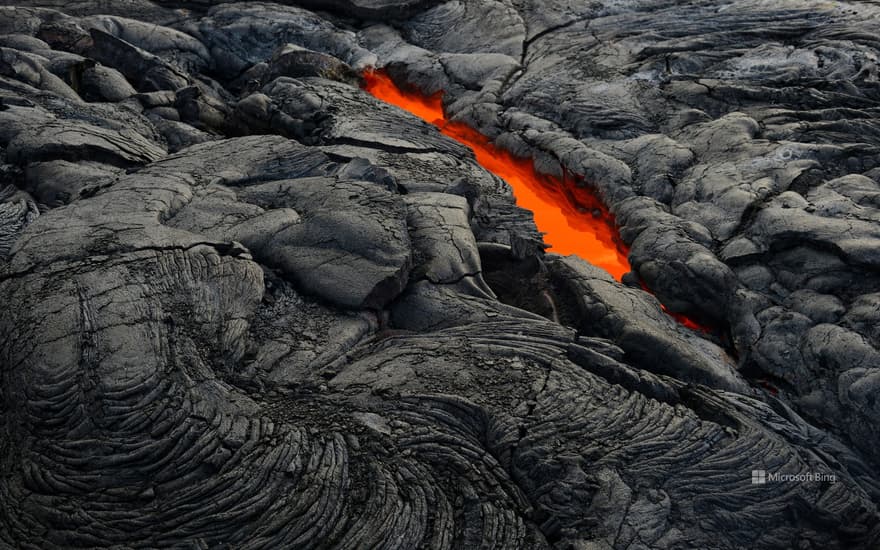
(572, 217)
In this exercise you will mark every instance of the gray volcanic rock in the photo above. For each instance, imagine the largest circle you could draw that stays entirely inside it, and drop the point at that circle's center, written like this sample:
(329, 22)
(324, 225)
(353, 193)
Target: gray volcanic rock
(74, 141)
(174, 46)
(369, 8)
(17, 211)
(101, 83)
(633, 320)
(294, 61)
(58, 182)
(351, 247)
(445, 248)
(241, 34)
(456, 27)
(147, 72)
(246, 304)
(31, 69)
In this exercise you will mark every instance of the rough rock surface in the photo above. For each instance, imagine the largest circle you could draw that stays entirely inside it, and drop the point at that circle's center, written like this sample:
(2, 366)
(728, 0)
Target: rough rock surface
(247, 304)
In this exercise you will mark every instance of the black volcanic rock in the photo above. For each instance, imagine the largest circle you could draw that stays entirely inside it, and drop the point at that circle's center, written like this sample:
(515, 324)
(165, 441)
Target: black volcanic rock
(246, 304)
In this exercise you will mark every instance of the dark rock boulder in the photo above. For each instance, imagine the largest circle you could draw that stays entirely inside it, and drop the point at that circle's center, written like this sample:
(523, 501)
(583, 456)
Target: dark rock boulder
(173, 46)
(99, 83)
(146, 71)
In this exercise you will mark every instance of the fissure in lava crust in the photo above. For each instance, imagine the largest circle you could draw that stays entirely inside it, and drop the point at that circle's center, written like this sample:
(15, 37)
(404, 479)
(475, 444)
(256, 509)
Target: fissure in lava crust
(572, 217)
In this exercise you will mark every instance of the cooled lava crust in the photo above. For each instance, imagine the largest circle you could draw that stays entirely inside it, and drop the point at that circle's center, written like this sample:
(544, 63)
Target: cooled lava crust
(248, 299)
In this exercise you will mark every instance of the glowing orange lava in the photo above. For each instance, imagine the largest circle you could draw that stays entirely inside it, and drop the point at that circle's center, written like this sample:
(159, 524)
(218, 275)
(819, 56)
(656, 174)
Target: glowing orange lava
(574, 220)
(572, 217)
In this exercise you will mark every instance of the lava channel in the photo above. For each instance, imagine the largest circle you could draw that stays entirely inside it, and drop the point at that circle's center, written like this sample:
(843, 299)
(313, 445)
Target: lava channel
(570, 214)
(573, 219)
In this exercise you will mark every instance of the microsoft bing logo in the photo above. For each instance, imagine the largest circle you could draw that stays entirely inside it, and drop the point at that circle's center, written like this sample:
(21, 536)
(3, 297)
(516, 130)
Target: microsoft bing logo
(761, 477)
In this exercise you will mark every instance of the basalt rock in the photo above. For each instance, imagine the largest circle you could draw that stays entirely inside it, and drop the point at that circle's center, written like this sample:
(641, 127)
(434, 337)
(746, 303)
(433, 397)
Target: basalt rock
(247, 304)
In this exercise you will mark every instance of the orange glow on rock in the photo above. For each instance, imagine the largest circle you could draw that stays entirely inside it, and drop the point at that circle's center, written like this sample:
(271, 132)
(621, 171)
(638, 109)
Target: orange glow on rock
(687, 321)
(571, 216)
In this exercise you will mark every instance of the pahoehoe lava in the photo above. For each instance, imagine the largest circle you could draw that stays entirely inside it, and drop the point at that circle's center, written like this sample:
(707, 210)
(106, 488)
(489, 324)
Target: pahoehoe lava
(247, 304)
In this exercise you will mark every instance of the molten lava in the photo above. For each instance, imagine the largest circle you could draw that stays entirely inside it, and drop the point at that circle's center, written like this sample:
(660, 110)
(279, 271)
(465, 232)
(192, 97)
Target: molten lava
(572, 217)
